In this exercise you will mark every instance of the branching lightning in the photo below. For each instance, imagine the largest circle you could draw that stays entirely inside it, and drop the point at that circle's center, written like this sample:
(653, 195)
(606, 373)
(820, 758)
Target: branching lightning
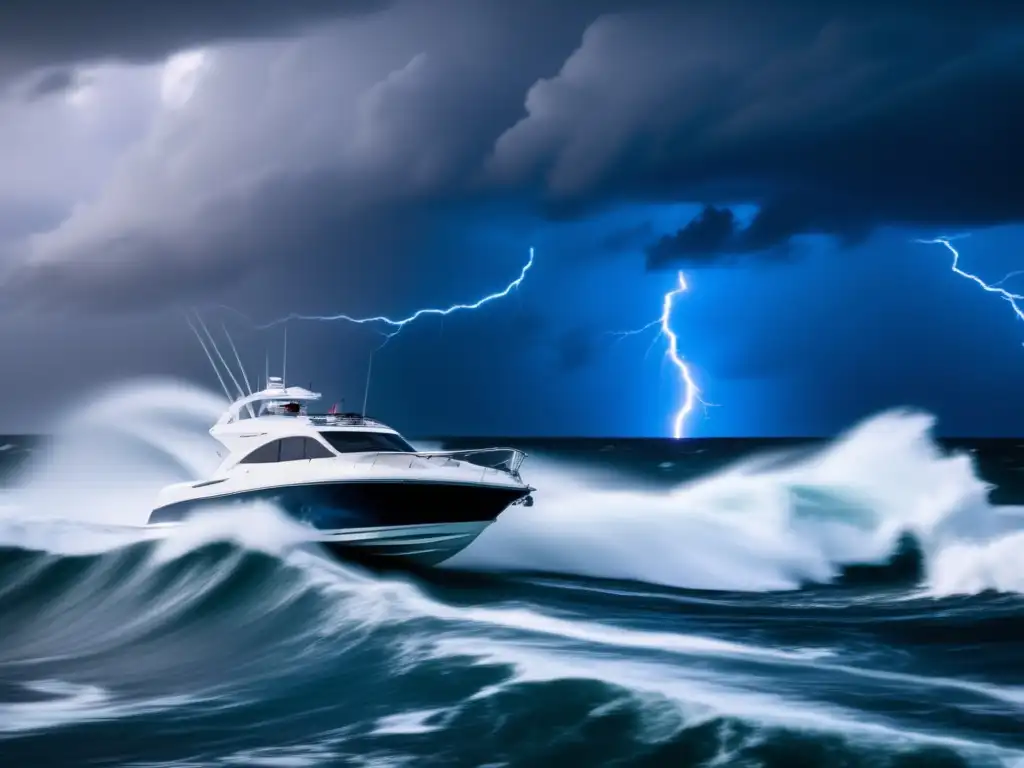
(1005, 295)
(691, 393)
(398, 325)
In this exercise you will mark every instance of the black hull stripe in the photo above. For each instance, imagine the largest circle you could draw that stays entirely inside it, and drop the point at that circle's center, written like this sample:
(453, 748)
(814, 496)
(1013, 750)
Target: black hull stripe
(367, 481)
(369, 503)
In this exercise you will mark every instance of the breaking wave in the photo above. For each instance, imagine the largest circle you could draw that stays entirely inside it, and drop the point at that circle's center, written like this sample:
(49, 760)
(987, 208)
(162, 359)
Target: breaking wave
(881, 491)
(876, 495)
(236, 625)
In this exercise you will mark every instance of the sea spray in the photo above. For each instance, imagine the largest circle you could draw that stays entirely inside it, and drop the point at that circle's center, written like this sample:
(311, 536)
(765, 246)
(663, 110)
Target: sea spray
(109, 456)
(759, 525)
(229, 640)
(762, 526)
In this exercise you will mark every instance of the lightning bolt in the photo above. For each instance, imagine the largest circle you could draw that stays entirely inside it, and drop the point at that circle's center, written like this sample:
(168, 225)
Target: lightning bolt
(399, 324)
(691, 393)
(1005, 295)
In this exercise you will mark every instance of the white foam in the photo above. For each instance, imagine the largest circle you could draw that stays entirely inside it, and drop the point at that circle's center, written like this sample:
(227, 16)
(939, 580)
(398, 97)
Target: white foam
(760, 527)
(257, 526)
(66, 703)
(304, 756)
(410, 723)
(589, 636)
(110, 455)
(752, 527)
(700, 695)
(970, 567)
(536, 623)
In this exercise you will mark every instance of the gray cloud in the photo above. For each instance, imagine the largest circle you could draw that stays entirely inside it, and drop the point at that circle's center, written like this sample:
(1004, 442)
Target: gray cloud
(328, 157)
(297, 151)
(47, 82)
(706, 236)
(358, 165)
(66, 32)
(291, 152)
(716, 235)
(832, 119)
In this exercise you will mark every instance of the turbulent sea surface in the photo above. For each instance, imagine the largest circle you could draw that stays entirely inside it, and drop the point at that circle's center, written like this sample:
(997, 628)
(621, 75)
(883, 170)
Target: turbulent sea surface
(854, 602)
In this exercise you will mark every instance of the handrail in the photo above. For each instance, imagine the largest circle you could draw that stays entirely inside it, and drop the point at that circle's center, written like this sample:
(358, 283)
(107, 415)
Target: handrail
(511, 464)
(508, 466)
(343, 420)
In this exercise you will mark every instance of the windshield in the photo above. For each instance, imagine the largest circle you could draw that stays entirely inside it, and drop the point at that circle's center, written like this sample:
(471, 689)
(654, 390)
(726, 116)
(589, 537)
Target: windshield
(359, 442)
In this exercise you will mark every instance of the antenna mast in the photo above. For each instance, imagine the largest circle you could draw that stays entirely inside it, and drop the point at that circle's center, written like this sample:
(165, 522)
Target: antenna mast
(284, 364)
(369, 372)
(238, 359)
(216, 370)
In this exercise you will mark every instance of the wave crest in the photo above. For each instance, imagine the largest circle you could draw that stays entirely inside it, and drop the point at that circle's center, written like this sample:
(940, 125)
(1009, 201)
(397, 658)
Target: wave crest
(772, 522)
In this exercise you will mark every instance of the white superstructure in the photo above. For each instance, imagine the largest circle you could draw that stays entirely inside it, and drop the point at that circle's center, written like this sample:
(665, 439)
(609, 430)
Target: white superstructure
(355, 480)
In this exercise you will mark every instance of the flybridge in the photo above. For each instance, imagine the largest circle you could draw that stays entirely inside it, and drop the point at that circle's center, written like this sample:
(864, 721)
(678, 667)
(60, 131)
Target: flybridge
(277, 398)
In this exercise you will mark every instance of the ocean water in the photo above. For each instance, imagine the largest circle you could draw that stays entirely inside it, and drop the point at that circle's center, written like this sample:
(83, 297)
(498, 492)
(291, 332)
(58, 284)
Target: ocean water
(851, 602)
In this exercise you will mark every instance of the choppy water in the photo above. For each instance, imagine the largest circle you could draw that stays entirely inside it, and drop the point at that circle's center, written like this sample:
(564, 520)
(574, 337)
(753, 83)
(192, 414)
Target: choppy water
(855, 604)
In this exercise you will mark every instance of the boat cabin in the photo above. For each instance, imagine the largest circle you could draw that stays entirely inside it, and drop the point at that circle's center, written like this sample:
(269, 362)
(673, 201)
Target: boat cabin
(274, 425)
(275, 422)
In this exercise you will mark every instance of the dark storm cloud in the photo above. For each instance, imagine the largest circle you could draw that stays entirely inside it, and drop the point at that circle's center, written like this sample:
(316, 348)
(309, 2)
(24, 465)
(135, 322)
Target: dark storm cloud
(308, 156)
(834, 117)
(705, 237)
(376, 157)
(716, 234)
(45, 32)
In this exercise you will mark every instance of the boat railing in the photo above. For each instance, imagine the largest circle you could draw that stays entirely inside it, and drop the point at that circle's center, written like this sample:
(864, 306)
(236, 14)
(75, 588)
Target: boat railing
(344, 420)
(492, 461)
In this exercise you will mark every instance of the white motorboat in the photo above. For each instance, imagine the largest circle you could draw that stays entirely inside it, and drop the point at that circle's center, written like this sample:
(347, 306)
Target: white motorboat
(367, 493)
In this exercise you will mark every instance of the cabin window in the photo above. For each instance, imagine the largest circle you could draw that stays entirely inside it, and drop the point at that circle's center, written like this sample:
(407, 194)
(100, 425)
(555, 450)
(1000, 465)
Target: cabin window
(316, 450)
(359, 442)
(288, 449)
(293, 449)
(303, 448)
(265, 454)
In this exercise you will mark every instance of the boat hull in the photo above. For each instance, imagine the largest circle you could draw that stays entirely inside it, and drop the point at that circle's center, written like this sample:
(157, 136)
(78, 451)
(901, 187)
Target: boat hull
(420, 523)
(402, 546)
